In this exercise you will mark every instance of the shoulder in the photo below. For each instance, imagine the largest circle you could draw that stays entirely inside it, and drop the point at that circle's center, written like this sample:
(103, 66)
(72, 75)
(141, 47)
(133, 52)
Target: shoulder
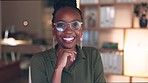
(43, 55)
(92, 55)
(90, 50)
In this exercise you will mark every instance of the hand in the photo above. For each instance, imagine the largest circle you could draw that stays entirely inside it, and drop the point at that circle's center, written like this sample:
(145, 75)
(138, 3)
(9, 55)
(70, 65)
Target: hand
(63, 55)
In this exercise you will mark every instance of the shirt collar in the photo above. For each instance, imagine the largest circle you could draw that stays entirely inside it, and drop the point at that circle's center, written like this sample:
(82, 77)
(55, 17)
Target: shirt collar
(80, 52)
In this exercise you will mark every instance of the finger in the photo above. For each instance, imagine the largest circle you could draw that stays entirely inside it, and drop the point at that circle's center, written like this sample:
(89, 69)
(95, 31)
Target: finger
(72, 59)
(68, 53)
(75, 52)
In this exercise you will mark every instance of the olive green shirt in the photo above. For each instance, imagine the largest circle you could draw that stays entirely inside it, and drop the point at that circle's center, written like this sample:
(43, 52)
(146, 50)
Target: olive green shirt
(87, 68)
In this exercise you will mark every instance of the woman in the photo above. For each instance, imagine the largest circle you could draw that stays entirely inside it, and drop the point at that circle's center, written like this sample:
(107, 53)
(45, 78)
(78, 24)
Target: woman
(67, 62)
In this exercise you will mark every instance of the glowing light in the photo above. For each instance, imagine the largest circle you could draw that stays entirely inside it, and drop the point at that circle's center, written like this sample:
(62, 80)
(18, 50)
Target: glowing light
(13, 42)
(136, 53)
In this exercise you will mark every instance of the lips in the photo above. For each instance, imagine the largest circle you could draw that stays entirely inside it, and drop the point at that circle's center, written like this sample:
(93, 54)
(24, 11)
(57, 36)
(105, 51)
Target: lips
(68, 40)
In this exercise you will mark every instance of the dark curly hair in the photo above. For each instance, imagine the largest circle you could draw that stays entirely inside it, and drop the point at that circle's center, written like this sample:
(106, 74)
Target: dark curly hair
(59, 4)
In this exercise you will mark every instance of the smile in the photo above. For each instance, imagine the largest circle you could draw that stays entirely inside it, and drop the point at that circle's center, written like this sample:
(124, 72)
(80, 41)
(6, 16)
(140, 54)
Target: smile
(68, 39)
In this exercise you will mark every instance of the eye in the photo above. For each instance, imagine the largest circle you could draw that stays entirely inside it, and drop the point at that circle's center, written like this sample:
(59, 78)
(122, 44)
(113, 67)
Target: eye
(75, 24)
(60, 25)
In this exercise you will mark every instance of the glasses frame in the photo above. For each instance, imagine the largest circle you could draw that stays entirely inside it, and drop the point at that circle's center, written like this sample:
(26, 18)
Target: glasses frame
(69, 23)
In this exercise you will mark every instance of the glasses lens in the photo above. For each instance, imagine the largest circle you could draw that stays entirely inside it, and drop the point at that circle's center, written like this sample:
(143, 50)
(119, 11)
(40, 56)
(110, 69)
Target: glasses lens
(60, 26)
(75, 25)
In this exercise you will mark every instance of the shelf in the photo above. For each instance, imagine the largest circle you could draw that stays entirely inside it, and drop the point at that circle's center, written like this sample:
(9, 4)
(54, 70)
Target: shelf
(107, 74)
(110, 4)
(91, 4)
(113, 28)
(123, 28)
(116, 23)
(107, 4)
(126, 3)
(110, 28)
(90, 28)
(138, 28)
(110, 50)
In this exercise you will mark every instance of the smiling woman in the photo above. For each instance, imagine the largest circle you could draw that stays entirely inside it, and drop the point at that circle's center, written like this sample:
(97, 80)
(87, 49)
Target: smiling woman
(71, 29)
(67, 61)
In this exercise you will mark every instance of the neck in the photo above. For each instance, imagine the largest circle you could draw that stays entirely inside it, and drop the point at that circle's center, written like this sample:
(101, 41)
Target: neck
(61, 47)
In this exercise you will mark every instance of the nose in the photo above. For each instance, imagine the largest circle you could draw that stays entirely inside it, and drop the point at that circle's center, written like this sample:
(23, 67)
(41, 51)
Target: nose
(68, 29)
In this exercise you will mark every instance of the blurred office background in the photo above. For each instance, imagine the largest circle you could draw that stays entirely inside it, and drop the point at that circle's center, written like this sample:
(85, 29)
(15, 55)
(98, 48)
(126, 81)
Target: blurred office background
(112, 26)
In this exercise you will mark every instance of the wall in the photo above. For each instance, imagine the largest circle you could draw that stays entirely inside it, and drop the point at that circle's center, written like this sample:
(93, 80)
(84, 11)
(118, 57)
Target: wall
(15, 12)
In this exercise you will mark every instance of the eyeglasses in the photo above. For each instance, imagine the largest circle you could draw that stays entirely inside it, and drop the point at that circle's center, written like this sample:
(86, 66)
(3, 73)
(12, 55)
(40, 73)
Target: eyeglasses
(61, 25)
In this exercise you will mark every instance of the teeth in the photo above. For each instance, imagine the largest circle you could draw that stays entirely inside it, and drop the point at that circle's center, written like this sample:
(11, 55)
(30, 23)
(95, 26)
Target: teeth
(68, 39)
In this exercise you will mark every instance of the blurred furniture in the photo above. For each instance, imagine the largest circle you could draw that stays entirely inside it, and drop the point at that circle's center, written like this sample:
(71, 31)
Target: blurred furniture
(114, 78)
(18, 50)
(116, 22)
(9, 70)
(117, 78)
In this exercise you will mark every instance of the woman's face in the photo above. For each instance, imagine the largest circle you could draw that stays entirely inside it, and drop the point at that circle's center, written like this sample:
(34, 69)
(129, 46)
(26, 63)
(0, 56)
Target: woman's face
(68, 38)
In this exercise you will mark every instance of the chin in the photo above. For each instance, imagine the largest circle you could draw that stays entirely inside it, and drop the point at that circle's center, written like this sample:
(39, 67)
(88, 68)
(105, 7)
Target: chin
(69, 46)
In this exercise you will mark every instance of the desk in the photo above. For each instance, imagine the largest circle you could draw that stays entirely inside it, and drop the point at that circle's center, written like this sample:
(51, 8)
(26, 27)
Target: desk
(17, 48)
(21, 49)
(11, 42)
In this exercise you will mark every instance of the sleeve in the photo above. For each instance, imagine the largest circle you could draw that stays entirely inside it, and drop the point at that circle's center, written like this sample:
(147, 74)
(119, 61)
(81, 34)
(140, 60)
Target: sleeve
(98, 68)
(38, 73)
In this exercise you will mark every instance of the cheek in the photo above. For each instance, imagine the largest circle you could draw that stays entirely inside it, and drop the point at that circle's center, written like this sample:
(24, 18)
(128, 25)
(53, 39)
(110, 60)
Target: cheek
(56, 34)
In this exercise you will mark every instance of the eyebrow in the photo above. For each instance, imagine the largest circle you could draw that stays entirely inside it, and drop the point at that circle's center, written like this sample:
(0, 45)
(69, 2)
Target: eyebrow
(68, 22)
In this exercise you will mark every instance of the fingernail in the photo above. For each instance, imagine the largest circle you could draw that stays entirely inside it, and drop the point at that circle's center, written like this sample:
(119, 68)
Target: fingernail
(75, 52)
(71, 59)
(74, 58)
